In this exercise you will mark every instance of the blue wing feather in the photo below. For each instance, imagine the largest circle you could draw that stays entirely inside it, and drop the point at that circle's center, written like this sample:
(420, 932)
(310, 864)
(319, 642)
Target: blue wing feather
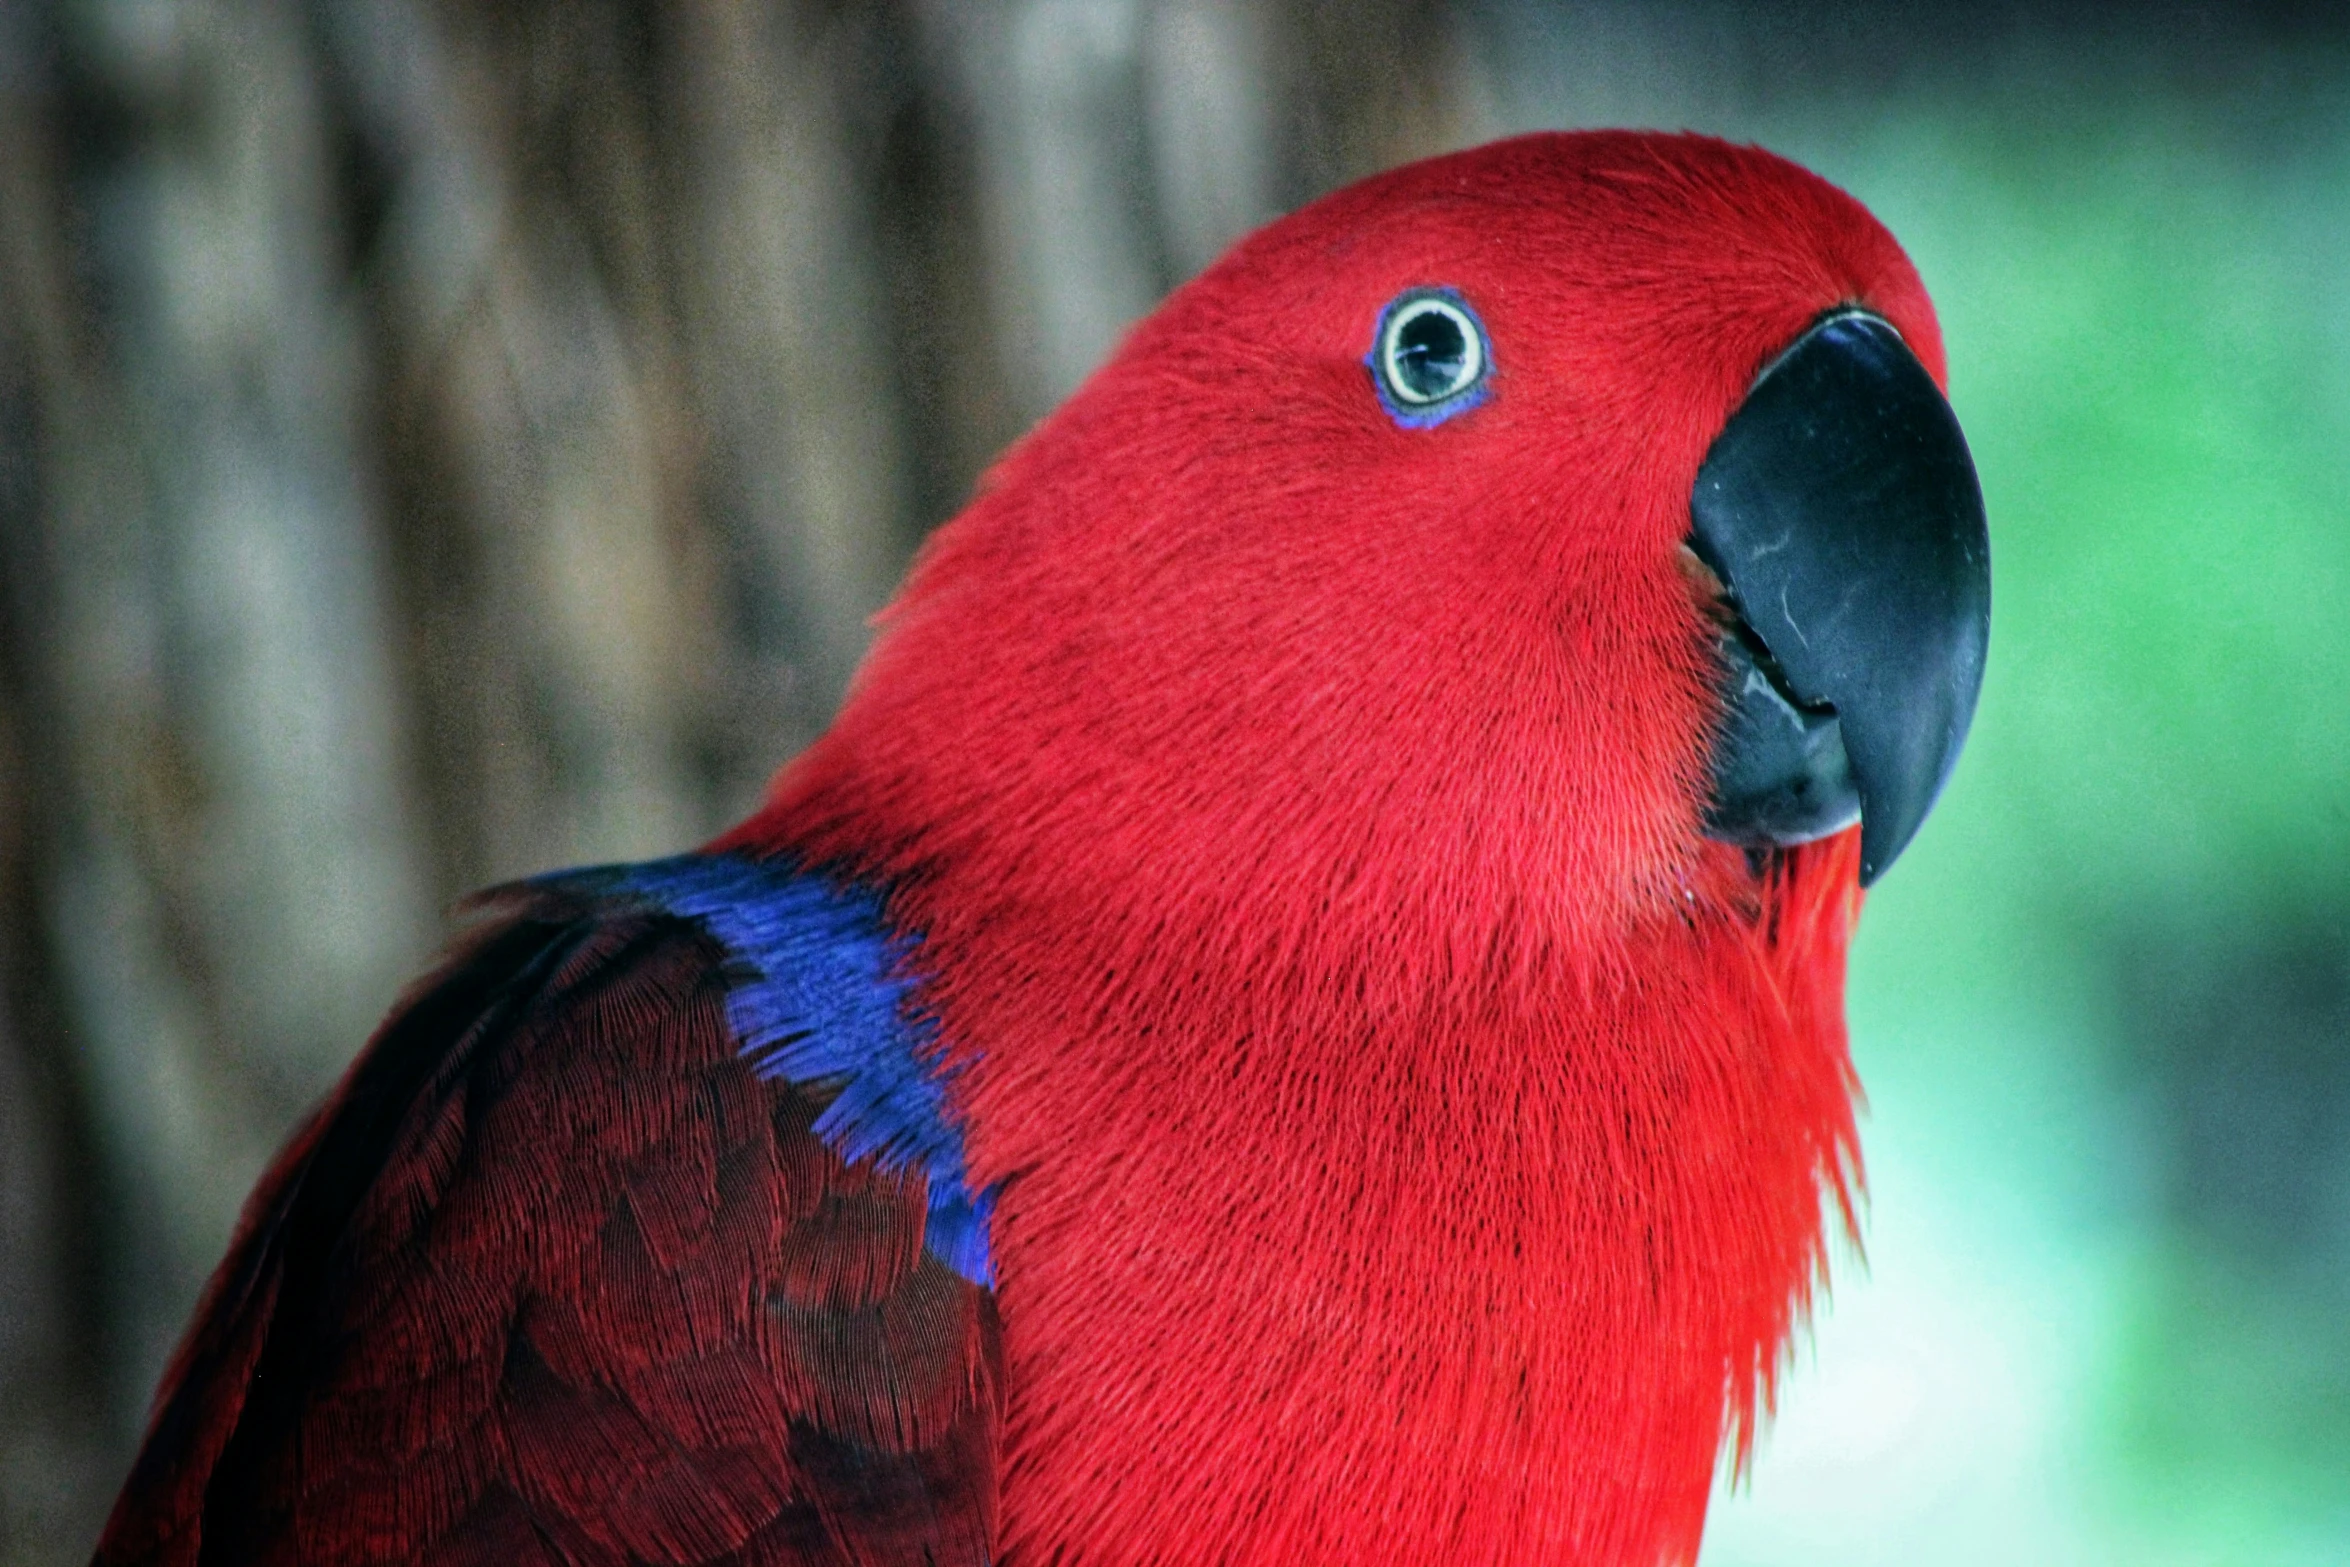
(824, 995)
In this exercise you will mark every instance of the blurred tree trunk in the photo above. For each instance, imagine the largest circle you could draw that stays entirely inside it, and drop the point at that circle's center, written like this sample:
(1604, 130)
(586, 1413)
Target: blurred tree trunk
(230, 886)
(52, 1296)
(440, 442)
(538, 455)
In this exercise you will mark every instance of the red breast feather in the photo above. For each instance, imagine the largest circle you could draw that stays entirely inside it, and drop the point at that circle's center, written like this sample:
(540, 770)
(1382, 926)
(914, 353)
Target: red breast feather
(1412, 1132)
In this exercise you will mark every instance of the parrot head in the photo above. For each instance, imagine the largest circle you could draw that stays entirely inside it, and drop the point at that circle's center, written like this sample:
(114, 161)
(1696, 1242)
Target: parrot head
(1512, 531)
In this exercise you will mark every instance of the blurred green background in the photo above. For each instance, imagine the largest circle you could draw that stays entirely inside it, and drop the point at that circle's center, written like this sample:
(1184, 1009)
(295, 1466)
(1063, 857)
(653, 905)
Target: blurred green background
(439, 442)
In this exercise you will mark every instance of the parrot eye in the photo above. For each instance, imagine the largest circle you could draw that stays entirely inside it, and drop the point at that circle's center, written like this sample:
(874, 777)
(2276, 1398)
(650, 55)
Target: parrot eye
(1429, 361)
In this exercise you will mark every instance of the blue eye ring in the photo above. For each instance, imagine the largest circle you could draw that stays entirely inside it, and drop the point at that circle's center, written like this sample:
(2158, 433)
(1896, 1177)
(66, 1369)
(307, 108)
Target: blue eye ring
(1449, 371)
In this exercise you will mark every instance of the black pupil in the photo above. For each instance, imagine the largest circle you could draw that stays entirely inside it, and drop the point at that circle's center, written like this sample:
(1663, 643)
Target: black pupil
(1431, 352)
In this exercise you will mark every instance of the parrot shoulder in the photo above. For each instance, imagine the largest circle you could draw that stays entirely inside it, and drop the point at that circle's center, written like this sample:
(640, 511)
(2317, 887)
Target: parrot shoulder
(637, 1234)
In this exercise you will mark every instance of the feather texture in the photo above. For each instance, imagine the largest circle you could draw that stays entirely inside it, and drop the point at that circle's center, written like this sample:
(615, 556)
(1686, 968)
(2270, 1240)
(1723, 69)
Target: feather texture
(822, 995)
(556, 1276)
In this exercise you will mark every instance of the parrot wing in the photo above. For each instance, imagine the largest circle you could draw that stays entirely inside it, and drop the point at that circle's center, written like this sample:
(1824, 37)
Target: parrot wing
(565, 1272)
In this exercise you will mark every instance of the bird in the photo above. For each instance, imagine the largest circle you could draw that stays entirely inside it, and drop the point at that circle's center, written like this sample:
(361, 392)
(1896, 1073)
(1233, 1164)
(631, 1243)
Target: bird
(1295, 1015)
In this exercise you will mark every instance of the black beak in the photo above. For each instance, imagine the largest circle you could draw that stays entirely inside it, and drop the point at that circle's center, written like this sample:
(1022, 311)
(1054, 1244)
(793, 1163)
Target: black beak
(1840, 510)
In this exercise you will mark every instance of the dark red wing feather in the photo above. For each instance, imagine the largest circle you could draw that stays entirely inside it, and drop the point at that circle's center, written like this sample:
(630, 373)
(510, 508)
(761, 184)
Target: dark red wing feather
(555, 1278)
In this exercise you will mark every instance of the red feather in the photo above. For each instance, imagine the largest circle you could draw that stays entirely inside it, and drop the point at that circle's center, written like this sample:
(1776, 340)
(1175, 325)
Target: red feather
(1413, 1132)
(555, 1278)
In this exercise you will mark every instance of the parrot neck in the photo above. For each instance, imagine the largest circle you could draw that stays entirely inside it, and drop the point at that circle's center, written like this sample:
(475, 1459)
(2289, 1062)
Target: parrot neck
(1312, 1247)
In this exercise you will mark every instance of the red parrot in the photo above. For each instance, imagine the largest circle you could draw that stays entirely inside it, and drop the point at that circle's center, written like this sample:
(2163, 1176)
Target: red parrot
(1294, 1017)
